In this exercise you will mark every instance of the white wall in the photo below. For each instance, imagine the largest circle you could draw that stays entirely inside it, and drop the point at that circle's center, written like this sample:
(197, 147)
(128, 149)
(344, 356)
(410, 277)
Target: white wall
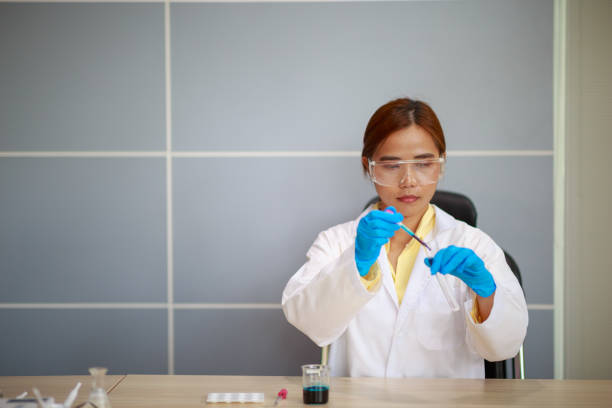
(588, 265)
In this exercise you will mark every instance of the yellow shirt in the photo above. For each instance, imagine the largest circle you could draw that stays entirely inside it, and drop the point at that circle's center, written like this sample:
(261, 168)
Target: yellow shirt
(405, 262)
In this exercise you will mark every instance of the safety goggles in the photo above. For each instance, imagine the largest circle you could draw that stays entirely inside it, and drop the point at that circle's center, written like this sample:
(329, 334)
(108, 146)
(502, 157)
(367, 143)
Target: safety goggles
(393, 173)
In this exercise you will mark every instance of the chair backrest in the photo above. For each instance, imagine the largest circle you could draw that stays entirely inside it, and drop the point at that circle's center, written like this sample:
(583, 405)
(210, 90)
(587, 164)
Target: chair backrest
(462, 208)
(457, 205)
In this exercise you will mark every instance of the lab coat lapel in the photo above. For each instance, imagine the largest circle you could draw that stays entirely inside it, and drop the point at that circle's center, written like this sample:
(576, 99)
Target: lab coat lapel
(420, 275)
(387, 278)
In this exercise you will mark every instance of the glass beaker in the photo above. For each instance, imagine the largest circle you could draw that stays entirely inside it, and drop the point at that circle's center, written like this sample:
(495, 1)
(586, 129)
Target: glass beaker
(98, 394)
(315, 383)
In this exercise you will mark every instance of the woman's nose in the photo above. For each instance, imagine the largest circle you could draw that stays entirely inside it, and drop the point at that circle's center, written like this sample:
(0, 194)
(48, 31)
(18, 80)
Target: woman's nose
(409, 179)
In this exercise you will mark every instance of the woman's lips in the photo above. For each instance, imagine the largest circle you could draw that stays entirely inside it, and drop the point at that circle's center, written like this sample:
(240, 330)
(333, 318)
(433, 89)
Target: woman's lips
(408, 199)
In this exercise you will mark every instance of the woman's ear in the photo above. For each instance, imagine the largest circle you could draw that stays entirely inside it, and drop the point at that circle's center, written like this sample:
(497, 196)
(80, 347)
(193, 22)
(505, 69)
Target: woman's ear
(364, 162)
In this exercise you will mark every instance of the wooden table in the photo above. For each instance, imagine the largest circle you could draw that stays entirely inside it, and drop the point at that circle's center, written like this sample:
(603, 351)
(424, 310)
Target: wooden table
(57, 387)
(151, 391)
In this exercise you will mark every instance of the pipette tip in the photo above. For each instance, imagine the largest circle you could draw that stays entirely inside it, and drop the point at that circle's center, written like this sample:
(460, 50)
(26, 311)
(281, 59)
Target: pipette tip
(413, 235)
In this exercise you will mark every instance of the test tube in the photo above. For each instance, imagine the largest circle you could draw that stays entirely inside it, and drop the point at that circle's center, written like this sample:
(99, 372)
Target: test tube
(441, 281)
(444, 286)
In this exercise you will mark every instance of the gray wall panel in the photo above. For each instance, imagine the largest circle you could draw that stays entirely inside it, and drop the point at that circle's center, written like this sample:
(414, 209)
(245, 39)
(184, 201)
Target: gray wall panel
(538, 346)
(308, 75)
(513, 197)
(63, 342)
(82, 230)
(82, 76)
(240, 342)
(242, 226)
(245, 76)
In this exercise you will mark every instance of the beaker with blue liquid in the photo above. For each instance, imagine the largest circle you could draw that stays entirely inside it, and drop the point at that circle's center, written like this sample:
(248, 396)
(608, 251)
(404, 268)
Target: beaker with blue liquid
(315, 383)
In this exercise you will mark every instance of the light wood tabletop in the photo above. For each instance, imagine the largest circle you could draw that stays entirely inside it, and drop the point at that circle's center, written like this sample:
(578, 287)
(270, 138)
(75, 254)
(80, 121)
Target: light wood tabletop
(140, 391)
(57, 387)
(187, 391)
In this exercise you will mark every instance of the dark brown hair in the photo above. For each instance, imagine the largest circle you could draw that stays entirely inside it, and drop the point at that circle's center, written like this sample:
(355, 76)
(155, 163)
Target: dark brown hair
(400, 114)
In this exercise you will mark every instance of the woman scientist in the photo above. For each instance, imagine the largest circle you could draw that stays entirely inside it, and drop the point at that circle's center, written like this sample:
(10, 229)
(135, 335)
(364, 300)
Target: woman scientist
(368, 288)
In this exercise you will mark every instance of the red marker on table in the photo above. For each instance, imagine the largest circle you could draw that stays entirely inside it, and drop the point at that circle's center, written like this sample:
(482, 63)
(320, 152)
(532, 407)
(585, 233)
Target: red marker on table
(282, 394)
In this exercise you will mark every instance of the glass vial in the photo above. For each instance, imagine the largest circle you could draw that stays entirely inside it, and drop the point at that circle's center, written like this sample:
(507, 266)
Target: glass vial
(98, 395)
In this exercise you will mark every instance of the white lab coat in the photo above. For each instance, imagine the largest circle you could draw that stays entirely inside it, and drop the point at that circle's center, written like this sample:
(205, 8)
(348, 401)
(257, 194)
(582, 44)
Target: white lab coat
(371, 335)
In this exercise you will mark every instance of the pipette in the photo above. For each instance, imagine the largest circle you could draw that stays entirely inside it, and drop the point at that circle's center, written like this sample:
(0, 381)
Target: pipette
(282, 394)
(413, 235)
(440, 278)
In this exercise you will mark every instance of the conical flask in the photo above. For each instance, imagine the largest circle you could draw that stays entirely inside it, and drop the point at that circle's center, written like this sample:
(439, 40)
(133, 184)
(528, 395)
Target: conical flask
(98, 395)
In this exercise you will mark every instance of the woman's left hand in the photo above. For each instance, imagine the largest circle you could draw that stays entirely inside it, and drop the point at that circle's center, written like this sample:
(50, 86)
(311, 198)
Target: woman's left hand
(465, 265)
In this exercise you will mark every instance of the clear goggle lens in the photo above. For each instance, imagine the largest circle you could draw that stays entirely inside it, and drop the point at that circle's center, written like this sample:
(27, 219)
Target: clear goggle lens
(393, 173)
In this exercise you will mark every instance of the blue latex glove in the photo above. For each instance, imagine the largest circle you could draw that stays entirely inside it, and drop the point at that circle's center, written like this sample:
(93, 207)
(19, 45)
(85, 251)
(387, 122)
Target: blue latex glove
(466, 265)
(374, 231)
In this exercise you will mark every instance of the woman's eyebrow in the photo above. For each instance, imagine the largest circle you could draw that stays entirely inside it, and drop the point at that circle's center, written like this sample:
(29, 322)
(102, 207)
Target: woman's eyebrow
(418, 156)
(424, 156)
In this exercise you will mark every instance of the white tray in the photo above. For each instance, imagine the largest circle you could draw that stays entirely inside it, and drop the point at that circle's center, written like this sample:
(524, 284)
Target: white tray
(229, 397)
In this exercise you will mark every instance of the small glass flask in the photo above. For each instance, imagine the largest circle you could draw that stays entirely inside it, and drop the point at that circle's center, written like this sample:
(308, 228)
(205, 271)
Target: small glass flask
(98, 395)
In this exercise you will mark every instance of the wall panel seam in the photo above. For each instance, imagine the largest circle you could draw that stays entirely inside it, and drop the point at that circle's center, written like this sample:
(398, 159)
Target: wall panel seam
(193, 1)
(169, 202)
(248, 154)
(177, 306)
(559, 179)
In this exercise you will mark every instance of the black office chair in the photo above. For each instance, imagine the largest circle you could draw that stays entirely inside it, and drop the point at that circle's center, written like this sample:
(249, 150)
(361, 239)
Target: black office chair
(462, 208)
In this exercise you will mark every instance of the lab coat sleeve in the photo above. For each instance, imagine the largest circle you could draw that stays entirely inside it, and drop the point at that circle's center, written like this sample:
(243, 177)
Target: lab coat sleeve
(326, 293)
(502, 334)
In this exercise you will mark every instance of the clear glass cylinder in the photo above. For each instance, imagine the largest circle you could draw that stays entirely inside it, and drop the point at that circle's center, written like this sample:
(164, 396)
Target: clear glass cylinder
(98, 395)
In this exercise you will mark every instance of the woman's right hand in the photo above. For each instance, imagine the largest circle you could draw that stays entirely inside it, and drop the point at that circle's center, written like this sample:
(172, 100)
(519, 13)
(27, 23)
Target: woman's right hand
(374, 231)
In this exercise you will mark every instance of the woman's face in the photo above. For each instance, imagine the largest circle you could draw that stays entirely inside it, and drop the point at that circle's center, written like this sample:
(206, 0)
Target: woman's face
(408, 197)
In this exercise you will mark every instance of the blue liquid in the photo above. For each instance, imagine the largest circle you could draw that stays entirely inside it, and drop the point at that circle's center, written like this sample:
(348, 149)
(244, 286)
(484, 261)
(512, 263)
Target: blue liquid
(316, 394)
